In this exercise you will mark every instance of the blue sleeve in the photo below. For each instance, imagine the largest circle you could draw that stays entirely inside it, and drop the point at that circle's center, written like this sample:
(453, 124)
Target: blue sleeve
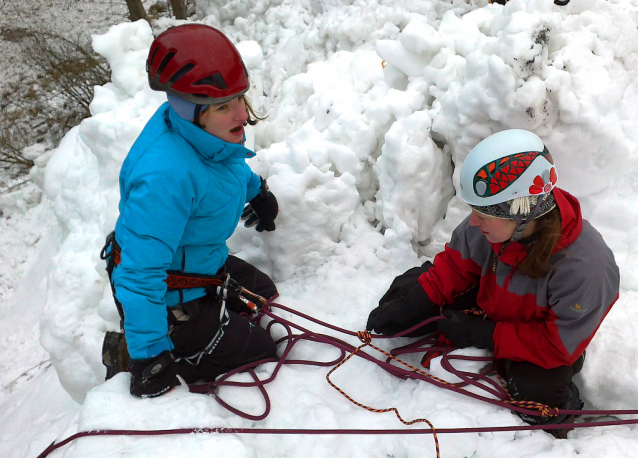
(254, 187)
(153, 214)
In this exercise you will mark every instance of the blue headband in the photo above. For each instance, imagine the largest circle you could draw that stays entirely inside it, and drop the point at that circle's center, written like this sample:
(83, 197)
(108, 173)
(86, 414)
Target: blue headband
(183, 108)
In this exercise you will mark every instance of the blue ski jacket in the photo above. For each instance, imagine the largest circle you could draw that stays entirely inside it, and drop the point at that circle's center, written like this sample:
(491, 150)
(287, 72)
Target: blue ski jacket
(182, 192)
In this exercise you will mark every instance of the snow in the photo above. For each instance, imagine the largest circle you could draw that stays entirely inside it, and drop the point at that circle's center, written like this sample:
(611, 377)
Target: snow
(372, 107)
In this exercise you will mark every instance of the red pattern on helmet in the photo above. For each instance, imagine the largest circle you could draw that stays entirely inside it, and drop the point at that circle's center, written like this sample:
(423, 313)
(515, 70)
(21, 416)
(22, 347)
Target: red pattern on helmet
(540, 187)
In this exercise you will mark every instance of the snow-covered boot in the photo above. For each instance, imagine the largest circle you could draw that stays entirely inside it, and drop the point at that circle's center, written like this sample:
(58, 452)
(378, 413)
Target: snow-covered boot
(115, 354)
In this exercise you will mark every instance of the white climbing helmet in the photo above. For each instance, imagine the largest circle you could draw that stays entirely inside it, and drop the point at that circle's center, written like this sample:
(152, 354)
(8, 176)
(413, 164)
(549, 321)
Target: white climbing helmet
(510, 175)
(507, 165)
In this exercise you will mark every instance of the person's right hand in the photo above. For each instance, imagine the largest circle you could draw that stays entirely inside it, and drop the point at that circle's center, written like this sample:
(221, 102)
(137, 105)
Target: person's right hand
(152, 377)
(397, 315)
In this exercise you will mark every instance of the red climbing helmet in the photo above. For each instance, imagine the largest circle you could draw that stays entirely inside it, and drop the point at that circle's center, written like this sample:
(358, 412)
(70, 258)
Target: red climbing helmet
(197, 63)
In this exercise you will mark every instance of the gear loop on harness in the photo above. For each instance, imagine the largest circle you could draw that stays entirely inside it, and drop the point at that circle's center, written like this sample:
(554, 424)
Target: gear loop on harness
(227, 289)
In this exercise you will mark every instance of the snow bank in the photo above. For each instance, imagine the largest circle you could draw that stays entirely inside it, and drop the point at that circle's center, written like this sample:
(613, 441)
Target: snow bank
(372, 108)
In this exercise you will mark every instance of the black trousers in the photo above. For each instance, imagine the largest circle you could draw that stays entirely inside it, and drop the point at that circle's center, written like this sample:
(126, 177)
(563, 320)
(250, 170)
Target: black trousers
(524, 381)
(553, 387)
(243, 341)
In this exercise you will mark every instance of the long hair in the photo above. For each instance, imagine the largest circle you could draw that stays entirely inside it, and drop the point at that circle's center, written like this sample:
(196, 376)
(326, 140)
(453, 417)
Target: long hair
(536, 264)
(252, 116)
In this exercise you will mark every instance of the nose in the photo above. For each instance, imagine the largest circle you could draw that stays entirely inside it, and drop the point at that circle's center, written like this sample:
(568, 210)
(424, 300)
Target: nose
(239, 110)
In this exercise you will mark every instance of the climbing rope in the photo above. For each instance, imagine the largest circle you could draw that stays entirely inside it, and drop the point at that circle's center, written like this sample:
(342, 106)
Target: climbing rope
(432, 343)
(366, 338)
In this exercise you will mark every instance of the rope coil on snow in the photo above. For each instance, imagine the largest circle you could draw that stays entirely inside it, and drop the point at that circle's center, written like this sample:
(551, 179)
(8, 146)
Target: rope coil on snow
(425, 344)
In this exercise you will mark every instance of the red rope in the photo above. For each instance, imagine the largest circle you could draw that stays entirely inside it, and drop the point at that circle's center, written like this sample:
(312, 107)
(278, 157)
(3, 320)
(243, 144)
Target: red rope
(480, 380)
(171, 432)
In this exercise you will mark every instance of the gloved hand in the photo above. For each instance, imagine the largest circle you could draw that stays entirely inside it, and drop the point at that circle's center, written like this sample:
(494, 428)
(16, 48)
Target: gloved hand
(152, 377)
(397, 315)
(467, 330)
(261, 210)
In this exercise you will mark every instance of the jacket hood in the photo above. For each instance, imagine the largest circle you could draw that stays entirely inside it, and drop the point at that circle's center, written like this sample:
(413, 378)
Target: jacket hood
(571, 216)
(572, 225)
(208, 146)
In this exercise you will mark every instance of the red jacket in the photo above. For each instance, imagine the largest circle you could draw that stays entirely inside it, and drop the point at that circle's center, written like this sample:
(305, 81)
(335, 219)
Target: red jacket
(549, 321)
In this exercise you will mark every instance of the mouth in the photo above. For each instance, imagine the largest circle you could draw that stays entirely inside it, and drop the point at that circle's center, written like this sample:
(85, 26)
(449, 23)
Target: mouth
(237, 130)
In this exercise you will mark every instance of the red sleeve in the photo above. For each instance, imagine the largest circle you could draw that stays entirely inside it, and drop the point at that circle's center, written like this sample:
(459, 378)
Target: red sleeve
(454, 271)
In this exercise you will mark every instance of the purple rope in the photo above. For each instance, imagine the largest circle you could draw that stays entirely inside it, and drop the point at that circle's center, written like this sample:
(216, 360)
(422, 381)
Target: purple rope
(270, 431)
(468, 378)
(291, 339)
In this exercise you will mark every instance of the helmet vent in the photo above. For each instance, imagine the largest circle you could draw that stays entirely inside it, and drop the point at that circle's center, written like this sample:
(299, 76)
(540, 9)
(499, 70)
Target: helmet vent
(149, 62)
(165, 62)
(216, 79)
(181, 72)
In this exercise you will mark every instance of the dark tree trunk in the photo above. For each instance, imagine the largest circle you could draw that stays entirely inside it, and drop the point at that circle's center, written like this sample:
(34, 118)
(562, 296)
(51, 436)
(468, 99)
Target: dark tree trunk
(179, 8)
(136, 10)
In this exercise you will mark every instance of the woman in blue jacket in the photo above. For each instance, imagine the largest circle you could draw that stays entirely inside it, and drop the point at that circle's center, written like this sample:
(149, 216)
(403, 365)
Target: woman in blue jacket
(184, 186)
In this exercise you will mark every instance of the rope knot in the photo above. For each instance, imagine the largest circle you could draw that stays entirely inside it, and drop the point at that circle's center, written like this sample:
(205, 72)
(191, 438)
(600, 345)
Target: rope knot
(364, 336)
(547, 412)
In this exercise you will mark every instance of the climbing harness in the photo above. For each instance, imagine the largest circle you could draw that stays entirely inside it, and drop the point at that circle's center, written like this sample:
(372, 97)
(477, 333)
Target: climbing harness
(175, 280)
(495, 390)
(228, 288)
(222, 285)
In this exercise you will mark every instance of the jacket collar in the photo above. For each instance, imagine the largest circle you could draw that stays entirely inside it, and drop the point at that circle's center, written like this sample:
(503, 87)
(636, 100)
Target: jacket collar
(206, 145)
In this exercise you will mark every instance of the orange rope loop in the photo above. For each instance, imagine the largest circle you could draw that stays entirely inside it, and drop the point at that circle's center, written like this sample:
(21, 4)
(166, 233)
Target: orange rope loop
(364, 336)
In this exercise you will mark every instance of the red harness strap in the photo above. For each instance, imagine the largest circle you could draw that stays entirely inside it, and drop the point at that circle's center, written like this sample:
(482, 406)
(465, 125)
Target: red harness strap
(176, 279)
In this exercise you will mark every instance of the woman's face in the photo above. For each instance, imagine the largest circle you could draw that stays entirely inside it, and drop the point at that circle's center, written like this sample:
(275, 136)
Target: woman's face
(225, 121)
(495, 230)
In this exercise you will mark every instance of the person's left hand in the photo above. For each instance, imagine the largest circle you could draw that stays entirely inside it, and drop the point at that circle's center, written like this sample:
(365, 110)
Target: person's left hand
(396, 315)
(467, 330)
(262, 210)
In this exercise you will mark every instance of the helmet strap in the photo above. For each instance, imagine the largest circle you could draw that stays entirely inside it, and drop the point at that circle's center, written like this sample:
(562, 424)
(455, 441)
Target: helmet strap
(521, 222)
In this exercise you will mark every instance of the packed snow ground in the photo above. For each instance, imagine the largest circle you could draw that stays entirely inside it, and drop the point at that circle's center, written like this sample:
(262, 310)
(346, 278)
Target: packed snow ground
(363, 158)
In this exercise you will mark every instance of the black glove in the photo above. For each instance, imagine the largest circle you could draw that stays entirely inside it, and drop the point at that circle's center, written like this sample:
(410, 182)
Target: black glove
(261, 210)
(397, 315)
(467, 330)
(152, 377)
